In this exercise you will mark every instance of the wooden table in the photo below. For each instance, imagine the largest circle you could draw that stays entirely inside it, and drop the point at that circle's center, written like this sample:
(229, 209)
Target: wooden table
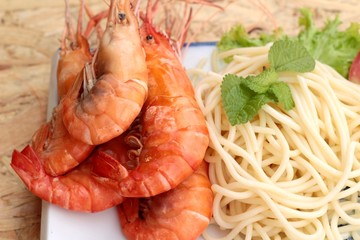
(29, 35)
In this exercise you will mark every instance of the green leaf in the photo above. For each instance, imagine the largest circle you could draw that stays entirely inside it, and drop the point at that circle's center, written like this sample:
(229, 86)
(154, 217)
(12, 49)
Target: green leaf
(283, 95)
(238, 37)
(252, 107)
(242, 98)
(234, 98)
(262, 82)
(288, 55)
(330, 45)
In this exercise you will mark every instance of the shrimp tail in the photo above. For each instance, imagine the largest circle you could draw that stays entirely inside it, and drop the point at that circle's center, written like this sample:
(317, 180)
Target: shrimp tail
(91, 187)
(27, 165)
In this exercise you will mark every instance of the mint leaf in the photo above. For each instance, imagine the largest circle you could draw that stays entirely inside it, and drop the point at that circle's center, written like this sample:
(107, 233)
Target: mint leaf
(241, 104)
(242, 98)
(288, 55)
(283, 95)
(235, 96)
(262, 82)
(252, 107)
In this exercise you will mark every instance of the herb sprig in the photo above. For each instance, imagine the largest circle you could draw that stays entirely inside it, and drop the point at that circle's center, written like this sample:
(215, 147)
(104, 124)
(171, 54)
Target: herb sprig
(329, 44)
(243, 97)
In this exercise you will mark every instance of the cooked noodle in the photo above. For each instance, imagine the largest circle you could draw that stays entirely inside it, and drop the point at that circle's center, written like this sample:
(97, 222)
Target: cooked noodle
(285, 174)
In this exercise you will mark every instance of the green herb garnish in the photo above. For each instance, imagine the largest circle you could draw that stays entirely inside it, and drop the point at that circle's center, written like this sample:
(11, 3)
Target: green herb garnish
(329, 45)
(286, 55)
(242, 98)
(238, 37)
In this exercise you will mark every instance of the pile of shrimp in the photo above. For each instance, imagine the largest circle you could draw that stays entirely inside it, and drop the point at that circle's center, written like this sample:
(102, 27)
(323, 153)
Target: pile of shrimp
(127, 130)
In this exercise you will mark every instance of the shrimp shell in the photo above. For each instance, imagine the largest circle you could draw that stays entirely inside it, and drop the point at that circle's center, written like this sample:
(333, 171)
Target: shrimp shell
(174, 134)
(57, 150)
(73, 57)
(118, 85)
(90, 187)
(182, 213)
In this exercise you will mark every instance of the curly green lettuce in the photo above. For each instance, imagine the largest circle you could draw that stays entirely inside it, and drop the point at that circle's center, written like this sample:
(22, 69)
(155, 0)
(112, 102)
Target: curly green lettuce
(329, 44)
(238, 37)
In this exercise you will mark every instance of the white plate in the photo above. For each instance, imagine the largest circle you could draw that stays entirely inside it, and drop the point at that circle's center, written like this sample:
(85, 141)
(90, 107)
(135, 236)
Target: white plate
(58, 223)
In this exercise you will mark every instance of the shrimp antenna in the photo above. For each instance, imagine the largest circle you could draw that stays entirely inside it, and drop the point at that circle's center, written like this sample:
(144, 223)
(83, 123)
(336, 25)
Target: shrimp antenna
(204, 23)
(94, 21)
(68, 26)
(267, 12)
(185, 28)
(107, 3)
(209, 3)
(81, 15)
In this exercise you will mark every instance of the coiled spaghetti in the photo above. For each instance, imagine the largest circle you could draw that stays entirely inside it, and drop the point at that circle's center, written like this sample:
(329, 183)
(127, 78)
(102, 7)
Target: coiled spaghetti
(285, 174)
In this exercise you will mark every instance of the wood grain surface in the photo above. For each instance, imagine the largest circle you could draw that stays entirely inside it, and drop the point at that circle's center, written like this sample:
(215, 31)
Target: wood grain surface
(29, 35)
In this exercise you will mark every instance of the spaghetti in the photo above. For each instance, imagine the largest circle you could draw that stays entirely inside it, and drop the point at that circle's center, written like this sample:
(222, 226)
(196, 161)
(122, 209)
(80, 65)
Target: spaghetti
(285, 174)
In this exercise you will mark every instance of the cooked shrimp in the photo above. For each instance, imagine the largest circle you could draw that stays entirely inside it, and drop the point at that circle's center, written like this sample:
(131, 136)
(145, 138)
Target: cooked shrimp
(57, 150)
(173, 136)
(72, 56)
(181, 213)
(118, 87)
(90, 187)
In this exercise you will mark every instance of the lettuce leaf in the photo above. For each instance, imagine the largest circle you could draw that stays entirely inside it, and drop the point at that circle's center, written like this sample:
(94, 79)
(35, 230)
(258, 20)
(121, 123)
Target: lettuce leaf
(238, 37)
(329, 45)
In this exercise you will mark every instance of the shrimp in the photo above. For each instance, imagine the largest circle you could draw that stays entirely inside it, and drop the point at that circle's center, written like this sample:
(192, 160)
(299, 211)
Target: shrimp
(72, 58)
(57, 150)
(173, 132)
(181, 213)
(116, 91)
(54, 146)
(90, 187)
